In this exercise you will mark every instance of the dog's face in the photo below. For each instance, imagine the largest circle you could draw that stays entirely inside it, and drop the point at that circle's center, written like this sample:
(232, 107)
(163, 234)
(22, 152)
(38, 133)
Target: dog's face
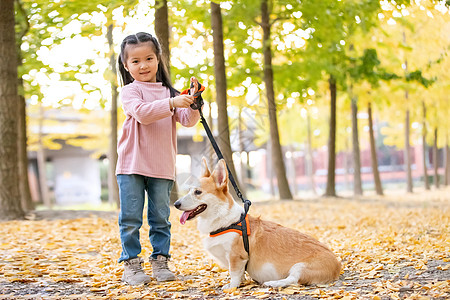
(211, 197)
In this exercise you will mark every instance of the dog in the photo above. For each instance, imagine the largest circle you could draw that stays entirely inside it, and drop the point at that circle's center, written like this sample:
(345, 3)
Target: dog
(278, 256)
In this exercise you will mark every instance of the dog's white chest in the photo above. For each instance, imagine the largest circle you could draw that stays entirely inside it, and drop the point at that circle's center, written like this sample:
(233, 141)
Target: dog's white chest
(220, 247)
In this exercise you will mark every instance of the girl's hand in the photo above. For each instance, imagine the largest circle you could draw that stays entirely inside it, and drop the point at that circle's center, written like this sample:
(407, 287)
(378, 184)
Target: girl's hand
(183, 101)
(194, 89)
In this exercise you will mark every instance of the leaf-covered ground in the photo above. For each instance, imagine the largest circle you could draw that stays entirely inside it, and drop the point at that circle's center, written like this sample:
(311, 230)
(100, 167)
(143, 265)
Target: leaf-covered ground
(395, 247)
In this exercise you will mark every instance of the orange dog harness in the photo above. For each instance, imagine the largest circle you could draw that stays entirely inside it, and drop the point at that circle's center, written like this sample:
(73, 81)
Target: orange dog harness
(238, 227)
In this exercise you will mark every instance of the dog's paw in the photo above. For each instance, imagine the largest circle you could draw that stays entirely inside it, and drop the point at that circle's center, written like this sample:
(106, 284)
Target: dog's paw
(273, 284)
(229, 286)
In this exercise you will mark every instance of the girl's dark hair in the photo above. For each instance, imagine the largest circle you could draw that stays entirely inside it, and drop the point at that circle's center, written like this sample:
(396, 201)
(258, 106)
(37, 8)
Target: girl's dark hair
(162, 75)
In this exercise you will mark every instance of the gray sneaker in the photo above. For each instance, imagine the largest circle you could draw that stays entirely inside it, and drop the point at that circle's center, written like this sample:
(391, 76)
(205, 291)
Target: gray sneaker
(160, 269)
(133, 274)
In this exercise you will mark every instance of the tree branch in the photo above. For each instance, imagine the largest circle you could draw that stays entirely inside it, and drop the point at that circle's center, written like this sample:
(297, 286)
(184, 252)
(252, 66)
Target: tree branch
(260, 24)
(277, 19)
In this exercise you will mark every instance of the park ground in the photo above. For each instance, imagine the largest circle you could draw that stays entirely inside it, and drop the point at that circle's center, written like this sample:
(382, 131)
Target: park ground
(391, 247)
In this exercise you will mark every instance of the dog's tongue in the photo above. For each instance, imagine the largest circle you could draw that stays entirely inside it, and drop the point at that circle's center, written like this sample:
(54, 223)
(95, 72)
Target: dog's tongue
(184, 216)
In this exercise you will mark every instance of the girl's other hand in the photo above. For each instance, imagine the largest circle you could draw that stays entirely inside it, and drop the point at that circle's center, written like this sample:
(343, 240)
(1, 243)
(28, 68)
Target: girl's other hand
(183, 101)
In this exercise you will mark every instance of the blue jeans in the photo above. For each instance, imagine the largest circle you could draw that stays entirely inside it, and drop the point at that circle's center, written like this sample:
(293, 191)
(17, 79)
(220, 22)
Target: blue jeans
(132, 190)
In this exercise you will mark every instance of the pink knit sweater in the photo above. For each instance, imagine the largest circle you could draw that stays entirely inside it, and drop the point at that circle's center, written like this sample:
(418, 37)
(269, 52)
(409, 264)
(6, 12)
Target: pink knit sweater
(148, 144)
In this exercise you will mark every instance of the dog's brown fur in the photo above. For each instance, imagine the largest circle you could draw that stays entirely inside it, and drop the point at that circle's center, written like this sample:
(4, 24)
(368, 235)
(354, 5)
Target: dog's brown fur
(271, 242)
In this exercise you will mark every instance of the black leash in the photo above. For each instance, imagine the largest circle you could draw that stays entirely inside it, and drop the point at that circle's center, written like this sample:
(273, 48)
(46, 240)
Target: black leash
(246, 202)
(198, 106)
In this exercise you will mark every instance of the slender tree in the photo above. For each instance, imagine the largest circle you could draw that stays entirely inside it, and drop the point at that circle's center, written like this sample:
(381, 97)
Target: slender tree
(357, 182)
(424, 146)
(162, 29)
(331, 175)
(447, 162)
(373, 153)
(113, 189)
(277, 153)
(407, 148)
(10, 205)
(221, 88)
(309, 154)
(242, 165)
(41, 161)
(435, 159)
(210, 149)
(22, 28)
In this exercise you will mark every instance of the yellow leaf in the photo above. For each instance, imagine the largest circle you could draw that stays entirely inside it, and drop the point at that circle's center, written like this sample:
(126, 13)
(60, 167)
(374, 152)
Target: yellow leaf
(289, 291)
(443, 268)
(230, 290)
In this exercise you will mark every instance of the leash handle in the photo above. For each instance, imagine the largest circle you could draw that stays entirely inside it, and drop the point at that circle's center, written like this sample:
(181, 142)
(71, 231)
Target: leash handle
(198, 100)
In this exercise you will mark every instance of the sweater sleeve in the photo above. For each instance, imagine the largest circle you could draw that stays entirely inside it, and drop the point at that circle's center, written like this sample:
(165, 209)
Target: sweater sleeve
(187, 116)
(143, 111)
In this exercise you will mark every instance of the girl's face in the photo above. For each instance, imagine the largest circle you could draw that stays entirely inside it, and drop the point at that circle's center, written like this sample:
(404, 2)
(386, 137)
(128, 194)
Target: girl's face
(141, 62)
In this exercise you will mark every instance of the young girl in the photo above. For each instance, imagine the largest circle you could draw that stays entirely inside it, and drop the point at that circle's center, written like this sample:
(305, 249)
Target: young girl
(146, 153)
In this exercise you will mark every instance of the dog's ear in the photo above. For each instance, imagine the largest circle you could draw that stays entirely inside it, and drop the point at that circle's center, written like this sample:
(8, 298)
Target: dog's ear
(220, 175)
(205, 170)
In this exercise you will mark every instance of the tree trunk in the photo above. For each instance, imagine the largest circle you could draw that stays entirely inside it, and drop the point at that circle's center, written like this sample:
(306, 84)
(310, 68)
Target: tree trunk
(357, 182)
(373, 154)
(221, 90)
(243, 166)
(25, 194)
(331, 176)
(42, 169)
(113, 189)
(277, 154)
(435, 159)
(10, 204)
(424, 147)
(294, 170)
(347, 162)
(211, 126)
(409, 184)
(162, 30)
(407, 154)
(447, 162)
(270, 167)
(309, 155)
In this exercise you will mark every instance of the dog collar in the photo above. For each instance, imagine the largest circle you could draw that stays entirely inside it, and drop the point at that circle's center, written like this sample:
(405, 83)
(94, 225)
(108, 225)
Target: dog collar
(240, 227)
